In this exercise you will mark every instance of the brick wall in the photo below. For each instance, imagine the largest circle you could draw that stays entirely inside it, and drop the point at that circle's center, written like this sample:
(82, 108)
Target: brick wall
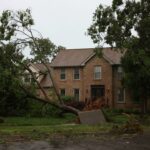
(106, 79)
(127, 103)
(86, 79)
(69, 83)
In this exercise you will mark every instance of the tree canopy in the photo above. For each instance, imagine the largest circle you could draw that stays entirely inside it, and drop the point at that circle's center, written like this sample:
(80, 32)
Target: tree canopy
(16, 35)
(125, 25)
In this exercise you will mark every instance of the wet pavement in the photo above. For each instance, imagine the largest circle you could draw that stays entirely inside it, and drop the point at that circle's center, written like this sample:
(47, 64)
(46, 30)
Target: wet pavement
(138, 142)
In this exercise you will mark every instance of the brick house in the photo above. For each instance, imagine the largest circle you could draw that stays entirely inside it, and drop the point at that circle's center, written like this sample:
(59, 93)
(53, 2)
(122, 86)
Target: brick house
(40, 72)
(83, 75)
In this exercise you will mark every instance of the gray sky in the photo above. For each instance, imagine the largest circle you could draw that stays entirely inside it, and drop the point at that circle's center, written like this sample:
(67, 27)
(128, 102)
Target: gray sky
(64, 22)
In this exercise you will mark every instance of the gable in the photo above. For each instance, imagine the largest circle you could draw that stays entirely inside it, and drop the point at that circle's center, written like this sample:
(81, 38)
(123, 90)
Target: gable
(96, 61)
(72, 57)
(79, 57)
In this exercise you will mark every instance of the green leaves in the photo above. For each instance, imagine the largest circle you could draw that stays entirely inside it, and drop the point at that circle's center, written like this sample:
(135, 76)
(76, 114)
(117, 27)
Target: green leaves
(126, 25)
(122, 21)
(42, 50)
(116, 3)
(25, 18)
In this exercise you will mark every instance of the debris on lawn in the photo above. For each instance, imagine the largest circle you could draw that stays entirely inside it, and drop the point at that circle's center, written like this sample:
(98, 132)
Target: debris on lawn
(132, 126)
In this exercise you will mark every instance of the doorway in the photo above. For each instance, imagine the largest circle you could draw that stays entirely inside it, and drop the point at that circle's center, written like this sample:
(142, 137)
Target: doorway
(97, 91)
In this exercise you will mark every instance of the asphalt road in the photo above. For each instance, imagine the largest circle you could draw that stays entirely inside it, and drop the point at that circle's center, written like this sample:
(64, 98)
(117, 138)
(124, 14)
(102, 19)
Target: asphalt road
(138, 142)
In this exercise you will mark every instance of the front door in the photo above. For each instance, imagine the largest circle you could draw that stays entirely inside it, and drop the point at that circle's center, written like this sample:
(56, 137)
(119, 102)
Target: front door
(97, 91)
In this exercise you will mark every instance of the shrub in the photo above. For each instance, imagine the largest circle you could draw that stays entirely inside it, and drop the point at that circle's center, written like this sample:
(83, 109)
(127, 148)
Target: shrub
(67, 99)
(77, 104)
(40, 109)
(130, 127)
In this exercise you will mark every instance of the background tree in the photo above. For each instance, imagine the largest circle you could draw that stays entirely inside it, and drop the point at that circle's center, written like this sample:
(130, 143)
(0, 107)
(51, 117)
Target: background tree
(10, 95)
(16, 31)
(125, 25)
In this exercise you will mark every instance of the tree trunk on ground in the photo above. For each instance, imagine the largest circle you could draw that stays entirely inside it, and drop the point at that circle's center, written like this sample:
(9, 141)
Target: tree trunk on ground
(48, 101)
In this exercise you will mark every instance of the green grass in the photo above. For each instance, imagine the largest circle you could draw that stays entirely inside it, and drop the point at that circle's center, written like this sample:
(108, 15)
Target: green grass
(121, 117)
(31, 121)
(41, 128)
(115, 117)
(38, 128)
(57, 129)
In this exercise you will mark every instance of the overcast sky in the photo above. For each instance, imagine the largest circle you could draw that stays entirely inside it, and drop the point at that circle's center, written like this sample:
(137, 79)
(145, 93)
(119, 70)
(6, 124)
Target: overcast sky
(64, 22)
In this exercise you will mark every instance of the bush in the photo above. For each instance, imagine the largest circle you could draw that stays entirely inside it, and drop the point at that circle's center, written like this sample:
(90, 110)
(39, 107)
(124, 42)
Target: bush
(77, 104)
(115, 115)
(40, 109)
(67, 99)
(14, 107)
(130, 127)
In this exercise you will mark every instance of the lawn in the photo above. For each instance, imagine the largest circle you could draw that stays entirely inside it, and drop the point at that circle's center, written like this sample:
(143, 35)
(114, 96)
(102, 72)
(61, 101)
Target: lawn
(32, 121)
(41, 128)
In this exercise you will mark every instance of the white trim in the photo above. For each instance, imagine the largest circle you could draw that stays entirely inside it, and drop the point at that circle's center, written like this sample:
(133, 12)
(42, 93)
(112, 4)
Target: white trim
(87, 59)
(61, 74)
(74, 73)
(100, 77)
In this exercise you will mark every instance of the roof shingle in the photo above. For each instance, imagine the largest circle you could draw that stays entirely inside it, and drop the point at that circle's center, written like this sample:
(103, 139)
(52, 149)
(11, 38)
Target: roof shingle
(71, 57)
(78, 57)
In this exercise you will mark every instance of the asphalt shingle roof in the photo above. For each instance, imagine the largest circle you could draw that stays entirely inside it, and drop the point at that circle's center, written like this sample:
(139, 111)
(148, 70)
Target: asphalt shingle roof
(78, 57)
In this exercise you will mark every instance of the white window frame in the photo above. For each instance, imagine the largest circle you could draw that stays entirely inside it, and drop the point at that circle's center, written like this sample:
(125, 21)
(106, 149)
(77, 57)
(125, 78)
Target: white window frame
(30, 78)
(95, 72)
(75, 74)
(63, 72)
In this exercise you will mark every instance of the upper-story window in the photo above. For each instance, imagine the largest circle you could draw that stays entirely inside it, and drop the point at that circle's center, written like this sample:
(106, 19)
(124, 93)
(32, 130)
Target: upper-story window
(97, 72)
(120, 72)
(76, 73)
(63, 74)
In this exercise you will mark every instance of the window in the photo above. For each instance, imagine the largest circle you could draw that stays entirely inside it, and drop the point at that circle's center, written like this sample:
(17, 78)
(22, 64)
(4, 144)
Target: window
(32, 78)
(62, 92)
(63, 74)
(120, 73)
(121, 95)
(76, 73)
(27, 78)
(76, 94)
(97, 72)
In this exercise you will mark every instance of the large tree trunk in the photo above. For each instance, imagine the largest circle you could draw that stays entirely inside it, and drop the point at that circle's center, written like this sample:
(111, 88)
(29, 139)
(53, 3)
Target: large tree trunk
(57, 105)
(46, 99)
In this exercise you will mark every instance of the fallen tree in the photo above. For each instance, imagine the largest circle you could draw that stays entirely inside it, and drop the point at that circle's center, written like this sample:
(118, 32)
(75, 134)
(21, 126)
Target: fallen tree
(17, 35)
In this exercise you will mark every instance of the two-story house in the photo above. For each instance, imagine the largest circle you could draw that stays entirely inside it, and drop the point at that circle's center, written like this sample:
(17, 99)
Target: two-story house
(41, 75)
(83, 75)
